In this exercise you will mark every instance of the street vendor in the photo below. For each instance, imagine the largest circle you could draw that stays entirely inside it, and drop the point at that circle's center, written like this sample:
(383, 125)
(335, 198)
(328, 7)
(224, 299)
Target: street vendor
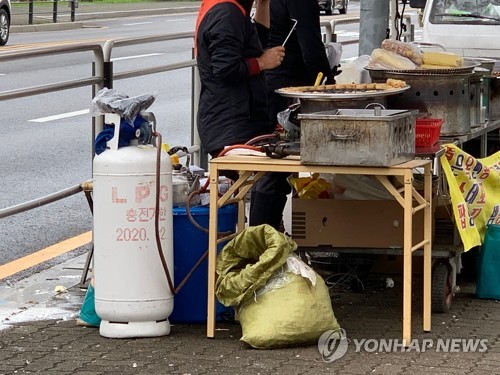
(294, 24)
(305, 51)
(233, 105)
(231, 61)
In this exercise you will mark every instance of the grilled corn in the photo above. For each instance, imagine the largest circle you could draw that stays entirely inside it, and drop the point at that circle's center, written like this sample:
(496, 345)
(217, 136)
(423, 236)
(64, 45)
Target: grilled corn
(404, 49)
(428, 66)
(390, 60)
(442, 59)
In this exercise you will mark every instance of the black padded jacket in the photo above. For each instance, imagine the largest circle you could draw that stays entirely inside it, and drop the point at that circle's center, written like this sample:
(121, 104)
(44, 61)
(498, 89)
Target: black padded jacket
(233, 105)
(305, 54)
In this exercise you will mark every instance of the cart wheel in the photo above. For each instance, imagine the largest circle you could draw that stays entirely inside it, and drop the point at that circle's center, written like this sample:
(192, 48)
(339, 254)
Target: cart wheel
(441, 288)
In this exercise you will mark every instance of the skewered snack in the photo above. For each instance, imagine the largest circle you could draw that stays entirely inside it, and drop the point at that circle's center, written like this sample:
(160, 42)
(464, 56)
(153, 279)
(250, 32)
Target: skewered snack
(349, 88)
(395, 83)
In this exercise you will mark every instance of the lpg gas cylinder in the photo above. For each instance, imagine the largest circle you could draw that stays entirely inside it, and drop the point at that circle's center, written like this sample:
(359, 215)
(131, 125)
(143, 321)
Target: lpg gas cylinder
(132, 295)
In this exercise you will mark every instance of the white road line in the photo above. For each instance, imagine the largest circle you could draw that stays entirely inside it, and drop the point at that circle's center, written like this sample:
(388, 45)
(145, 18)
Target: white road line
(61, 116)
(346, 33)
(137, 23)
(177, 20)
(137, 56)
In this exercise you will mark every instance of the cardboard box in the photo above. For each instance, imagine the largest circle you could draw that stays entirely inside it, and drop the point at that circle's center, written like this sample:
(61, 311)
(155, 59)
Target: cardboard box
(351, 223)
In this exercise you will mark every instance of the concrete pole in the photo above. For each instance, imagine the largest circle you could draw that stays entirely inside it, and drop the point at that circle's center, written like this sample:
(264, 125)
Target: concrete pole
(393, 8)
(373, 24)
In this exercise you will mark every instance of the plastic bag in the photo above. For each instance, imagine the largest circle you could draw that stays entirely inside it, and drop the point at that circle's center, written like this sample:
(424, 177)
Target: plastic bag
(355, 187)
(312, 187)
(288, 120)
(111, 101)
(388, 60)
(282, 315)
(274, 291)
(333, 53)
(247, 261)
(353, 71)
(87, 313)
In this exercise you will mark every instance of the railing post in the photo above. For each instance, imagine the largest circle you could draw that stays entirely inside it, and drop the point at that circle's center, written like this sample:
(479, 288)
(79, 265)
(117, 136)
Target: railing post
(328, 33)
(333, 37)
(54, 11)
(107, 64)
(73, 4)
(98, 70)
(30, 12)
(108, 74)
(201, 158)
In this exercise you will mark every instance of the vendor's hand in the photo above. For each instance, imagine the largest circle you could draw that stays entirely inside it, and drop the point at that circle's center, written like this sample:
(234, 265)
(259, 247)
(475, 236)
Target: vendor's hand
(336, 70)
(271, 58)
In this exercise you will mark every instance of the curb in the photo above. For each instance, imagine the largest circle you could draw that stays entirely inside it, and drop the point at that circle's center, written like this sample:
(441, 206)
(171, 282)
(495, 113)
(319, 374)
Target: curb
(136, 12)
(78, 24)
(46, 27)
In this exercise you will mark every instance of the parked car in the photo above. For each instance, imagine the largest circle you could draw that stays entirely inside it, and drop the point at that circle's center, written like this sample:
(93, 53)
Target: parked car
(5, 17)
(329, 6)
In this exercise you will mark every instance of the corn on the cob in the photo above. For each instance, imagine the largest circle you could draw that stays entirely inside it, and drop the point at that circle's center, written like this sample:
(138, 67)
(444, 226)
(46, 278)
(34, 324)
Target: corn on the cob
(390, 60)
(429, 66)
(404, 49)
(443, 59)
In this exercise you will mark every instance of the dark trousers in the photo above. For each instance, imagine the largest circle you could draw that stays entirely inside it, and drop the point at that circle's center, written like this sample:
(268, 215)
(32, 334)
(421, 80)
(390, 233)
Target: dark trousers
(268, 199)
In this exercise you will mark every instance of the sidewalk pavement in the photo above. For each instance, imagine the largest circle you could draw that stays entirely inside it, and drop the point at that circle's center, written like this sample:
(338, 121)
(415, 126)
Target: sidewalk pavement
(91, 11)
(38, 335)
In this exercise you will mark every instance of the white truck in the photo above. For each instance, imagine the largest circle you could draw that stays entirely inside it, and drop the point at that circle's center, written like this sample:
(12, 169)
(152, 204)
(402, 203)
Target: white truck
(470, 28)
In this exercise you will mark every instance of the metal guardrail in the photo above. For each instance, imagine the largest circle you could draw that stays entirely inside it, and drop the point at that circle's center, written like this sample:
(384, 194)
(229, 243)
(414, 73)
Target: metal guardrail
(102, 76)
(111, 45)
(26, 206)
(43, 9)
(96, 79)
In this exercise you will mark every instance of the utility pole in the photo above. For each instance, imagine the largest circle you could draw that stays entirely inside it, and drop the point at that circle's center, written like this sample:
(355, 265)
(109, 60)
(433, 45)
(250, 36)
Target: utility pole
(373, 24)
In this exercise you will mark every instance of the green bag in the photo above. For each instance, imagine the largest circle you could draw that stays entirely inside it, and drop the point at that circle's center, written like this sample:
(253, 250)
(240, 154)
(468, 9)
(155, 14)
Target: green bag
(277, 305)
(248, 260)
(87, 312)
(488, 280)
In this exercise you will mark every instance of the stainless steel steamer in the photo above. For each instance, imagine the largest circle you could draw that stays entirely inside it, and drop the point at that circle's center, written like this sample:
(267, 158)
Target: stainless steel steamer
(436, 93)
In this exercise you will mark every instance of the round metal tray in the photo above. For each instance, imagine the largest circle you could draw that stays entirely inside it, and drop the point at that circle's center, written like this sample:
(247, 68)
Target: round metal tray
(355, 95)
(468, 67)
